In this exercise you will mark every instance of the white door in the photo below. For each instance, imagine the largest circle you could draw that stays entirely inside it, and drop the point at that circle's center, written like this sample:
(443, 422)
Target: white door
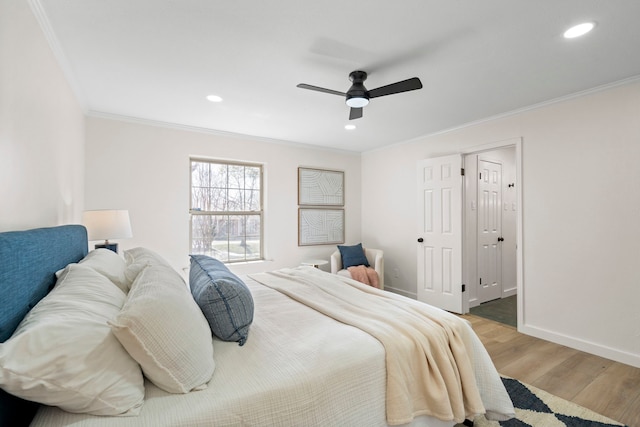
(489, 230)
(440, 232)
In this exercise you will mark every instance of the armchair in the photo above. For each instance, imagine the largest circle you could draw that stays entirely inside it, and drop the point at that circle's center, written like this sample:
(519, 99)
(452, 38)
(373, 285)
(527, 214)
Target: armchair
(374, 256)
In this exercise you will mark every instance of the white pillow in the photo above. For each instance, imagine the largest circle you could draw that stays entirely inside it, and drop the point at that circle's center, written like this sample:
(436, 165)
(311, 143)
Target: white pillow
(137, 259)
(162, 327)
(64, 353)
(109, 264)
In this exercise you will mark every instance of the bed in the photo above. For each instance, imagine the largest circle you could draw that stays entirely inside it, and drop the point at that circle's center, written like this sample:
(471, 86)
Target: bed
(303, 362)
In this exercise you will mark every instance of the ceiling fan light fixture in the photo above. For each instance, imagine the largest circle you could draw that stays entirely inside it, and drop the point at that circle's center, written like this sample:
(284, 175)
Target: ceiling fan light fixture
(357, 101)
(358, 96)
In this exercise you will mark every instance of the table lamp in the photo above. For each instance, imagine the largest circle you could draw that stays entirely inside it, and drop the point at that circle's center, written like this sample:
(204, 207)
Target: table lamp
(107, 224)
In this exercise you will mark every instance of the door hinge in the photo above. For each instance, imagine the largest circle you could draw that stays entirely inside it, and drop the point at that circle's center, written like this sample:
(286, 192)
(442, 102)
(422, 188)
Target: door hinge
(464, 287)
(462, 171)
(480, 175)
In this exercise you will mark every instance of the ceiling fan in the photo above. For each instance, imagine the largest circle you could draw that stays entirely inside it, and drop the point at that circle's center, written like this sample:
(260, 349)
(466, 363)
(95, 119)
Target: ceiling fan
(358, 96)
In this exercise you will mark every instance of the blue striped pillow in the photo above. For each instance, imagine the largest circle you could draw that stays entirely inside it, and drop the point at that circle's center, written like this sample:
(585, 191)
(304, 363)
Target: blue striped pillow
(224, 299)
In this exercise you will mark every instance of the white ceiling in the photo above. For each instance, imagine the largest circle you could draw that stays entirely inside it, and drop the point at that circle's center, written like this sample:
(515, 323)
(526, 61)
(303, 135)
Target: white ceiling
(158, 59)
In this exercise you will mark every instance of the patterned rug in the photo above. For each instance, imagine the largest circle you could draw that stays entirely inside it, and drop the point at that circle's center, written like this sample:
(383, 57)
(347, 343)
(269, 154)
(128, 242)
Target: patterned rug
(537, 408)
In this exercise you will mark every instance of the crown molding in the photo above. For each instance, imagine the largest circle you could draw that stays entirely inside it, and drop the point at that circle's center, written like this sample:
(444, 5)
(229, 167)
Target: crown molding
(579, 94)
(221, 133)
(41, 16)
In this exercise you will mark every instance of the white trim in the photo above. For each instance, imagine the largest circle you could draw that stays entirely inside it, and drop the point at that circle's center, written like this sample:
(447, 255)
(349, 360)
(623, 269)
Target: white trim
(226, 134)
(520, 286)
(412, 295)
(491, 146)
(41, 16)
(542, 104)
(582, 345)
(606, 86)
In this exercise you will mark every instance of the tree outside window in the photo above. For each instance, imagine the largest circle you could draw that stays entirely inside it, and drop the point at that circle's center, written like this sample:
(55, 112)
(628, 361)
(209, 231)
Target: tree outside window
(226, 210)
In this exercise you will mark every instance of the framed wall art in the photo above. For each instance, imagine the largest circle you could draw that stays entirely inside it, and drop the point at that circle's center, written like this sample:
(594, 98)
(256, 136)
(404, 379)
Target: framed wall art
(320, 187)
(320, 226)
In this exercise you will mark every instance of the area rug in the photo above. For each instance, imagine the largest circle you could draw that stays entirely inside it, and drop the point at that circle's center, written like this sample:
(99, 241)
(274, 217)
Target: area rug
(537, 408)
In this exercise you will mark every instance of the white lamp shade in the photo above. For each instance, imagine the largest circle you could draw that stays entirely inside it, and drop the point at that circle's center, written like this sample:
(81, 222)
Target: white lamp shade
(107, 224)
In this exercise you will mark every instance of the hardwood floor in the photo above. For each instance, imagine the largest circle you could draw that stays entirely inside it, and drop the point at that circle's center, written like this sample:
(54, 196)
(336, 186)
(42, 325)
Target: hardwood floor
(606, 387)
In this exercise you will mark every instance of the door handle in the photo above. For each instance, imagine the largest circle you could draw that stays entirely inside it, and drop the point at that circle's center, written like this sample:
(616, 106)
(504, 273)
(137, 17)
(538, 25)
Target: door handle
(500, 239)
(420, 240)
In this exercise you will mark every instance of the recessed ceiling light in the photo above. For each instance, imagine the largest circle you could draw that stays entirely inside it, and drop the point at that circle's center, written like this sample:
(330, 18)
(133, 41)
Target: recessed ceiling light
(579, 30)
(214, 98)
(349, 127)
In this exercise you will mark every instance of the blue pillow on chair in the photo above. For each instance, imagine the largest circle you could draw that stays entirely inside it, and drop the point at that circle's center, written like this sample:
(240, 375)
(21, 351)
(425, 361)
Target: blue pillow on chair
(224, 299)
(353, 255)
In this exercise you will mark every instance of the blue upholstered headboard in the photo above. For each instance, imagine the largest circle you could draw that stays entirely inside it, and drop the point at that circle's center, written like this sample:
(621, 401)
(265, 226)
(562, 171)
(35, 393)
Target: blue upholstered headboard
(28, 263)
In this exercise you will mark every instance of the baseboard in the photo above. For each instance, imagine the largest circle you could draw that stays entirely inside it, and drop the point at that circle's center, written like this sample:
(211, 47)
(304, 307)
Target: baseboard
(402, 292)
(582, 345)
(509, 292)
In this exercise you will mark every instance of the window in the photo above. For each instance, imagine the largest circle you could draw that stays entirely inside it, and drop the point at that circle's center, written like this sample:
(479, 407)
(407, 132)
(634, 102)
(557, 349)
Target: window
(226, 210)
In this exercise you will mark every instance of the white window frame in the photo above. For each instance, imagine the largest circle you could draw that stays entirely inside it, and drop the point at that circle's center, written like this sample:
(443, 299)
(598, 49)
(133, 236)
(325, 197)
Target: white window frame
(195, 212)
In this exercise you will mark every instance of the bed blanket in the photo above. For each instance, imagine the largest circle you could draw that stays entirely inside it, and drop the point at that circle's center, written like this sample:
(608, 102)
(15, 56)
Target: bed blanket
(297, 368)
(429, 371)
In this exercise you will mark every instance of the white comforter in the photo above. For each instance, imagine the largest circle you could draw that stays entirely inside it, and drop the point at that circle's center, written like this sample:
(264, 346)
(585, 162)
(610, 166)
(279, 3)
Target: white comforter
(298, 368)
(428, 366)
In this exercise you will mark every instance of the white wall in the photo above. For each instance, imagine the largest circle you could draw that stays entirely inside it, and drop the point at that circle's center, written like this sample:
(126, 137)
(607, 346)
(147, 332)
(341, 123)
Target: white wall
(145, 169)
(41, 129)
(581, 206)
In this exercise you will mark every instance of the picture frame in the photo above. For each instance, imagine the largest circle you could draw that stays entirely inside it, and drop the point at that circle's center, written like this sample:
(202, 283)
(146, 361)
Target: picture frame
(320, 226)
(320, 187)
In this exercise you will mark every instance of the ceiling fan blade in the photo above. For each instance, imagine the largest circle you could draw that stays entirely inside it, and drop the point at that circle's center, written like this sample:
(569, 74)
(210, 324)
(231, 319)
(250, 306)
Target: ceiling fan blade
(355, 113)
(320, 89)
(398, 87)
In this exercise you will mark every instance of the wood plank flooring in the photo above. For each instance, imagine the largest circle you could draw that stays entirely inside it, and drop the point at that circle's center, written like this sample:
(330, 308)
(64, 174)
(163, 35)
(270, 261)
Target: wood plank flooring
(604, 386)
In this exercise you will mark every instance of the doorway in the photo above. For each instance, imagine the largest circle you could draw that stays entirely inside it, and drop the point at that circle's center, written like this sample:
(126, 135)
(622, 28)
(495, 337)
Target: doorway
(490, 241)
(447, 256)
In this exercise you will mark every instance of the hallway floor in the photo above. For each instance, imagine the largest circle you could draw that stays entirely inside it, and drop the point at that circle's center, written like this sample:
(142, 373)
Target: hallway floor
(502, 310)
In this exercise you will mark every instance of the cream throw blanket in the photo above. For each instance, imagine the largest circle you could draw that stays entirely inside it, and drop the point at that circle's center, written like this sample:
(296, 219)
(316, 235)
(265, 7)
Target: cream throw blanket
(428, 369)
